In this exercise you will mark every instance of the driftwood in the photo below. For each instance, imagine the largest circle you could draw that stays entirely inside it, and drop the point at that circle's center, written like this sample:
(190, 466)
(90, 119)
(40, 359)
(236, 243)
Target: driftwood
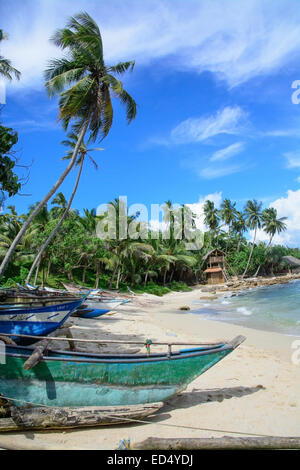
(225, 442)
(37, 354)
(4, 407)
(43, 346)
(6, 340)
(43, 418)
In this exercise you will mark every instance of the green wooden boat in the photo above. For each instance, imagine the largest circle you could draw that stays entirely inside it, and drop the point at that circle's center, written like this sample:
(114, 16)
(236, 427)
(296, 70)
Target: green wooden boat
(66, 379)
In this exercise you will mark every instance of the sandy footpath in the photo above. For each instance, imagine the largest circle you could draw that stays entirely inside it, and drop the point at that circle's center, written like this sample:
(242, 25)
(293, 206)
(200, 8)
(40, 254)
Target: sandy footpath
(256, 389)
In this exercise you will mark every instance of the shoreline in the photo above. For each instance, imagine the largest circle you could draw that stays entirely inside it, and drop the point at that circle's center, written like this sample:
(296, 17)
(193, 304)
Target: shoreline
(257, 379)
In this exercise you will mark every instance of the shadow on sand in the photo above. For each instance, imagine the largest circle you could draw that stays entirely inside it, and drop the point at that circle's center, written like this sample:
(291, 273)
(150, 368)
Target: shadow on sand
(196, 397)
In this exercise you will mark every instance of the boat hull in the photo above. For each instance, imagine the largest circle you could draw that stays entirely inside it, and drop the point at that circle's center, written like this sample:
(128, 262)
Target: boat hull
(90, 313)
(35, 321)
(68, 379)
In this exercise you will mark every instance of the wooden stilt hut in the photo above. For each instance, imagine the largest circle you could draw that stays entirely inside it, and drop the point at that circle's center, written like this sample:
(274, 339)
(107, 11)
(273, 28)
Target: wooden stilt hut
(215, 271)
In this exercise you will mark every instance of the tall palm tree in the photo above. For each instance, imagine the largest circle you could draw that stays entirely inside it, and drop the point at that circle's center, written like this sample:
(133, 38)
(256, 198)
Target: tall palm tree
(228, 215)
(60, 203)
(60, 198)
(87, 101)
(211, 218)
(239, 227)
(6, 69)
(271, 225)
(253, 222)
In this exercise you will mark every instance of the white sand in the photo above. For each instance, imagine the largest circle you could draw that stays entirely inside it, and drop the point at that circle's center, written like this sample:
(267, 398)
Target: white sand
(256, 389)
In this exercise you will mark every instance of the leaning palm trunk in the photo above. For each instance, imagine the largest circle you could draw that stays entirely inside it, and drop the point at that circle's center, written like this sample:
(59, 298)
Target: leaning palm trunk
(39, 207)
(113, 275)
(56, 229)
(250, 256)
(36, 272)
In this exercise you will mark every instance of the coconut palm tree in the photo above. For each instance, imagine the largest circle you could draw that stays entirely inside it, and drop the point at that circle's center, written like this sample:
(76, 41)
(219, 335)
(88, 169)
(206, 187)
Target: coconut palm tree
(211, 218)
(228, 214)
(239, 227)
(87, 101)
(253, 222)
(60, 198)
(271, 225)
(60, 203)
(6, 69)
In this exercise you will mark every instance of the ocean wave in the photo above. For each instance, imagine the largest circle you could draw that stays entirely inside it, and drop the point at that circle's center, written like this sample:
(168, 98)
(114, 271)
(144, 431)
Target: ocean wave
(244, 311)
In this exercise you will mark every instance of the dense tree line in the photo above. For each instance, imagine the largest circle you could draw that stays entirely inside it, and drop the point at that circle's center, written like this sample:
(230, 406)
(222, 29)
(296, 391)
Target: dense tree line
(77, 254)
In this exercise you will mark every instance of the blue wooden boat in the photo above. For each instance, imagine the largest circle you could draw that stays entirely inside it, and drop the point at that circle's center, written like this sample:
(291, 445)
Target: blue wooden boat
(70, 379)
(37, 317)
(89, 313)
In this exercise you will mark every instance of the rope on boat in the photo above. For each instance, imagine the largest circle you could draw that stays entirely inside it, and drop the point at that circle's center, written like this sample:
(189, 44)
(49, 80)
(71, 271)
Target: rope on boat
(106, 341)
(131, 420)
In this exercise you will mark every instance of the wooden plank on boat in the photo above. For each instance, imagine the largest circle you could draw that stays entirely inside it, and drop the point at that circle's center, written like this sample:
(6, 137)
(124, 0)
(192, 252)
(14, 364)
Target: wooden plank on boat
(58, 418)
(37, 354)
(6, 340)
(225, 442)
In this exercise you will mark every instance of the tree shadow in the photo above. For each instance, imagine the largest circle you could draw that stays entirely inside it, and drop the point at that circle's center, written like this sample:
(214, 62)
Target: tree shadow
(197, 397)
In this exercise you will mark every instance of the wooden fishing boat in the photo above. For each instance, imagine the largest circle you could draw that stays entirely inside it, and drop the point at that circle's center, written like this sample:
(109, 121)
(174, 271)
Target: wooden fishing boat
(93, 307)
(104, 305)
(21, 296)
(71, 379)
(38, 317)
(85, 312)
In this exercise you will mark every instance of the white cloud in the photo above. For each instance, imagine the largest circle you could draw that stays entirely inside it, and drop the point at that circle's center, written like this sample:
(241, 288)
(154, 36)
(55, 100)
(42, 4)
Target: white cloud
(235, 43)
(228, 152)
(229, 120)
(198, 208)
(293, 159)
(287, 207)
(212, 172)
(280, 133)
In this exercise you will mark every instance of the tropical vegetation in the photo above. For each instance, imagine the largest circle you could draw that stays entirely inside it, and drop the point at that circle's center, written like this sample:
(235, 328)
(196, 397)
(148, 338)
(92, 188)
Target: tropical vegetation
(148, 261)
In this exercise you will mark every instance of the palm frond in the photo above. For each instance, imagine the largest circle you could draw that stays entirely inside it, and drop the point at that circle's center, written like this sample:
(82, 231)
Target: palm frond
(122, 67)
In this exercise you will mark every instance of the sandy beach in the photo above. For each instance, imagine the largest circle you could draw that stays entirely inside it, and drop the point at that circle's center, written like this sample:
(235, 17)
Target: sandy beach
(253, 390)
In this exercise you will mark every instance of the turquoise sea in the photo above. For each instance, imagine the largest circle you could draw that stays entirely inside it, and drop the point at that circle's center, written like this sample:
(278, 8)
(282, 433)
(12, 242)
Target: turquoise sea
(272, 308)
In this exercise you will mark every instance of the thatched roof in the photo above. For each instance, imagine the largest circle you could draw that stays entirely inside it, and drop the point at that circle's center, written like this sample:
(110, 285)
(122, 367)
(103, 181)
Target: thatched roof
(211, 252)
(291, 260)
(213, 270)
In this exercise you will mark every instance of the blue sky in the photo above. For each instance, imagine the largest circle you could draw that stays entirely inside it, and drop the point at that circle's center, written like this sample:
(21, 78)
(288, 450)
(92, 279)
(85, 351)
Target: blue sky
(213, 83)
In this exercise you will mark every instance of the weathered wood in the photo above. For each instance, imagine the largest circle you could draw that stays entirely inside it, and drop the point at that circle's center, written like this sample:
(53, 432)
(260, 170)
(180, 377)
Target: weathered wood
(64, 418)
(6, 340)
(37, 354)
(113, 341)
(4, 407)
(225, 442)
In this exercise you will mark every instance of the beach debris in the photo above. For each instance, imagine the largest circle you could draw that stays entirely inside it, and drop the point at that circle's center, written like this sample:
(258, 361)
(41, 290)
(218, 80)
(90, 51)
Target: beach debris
(184, 307)
(23, 418)
(208, 297)
(225, 442)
